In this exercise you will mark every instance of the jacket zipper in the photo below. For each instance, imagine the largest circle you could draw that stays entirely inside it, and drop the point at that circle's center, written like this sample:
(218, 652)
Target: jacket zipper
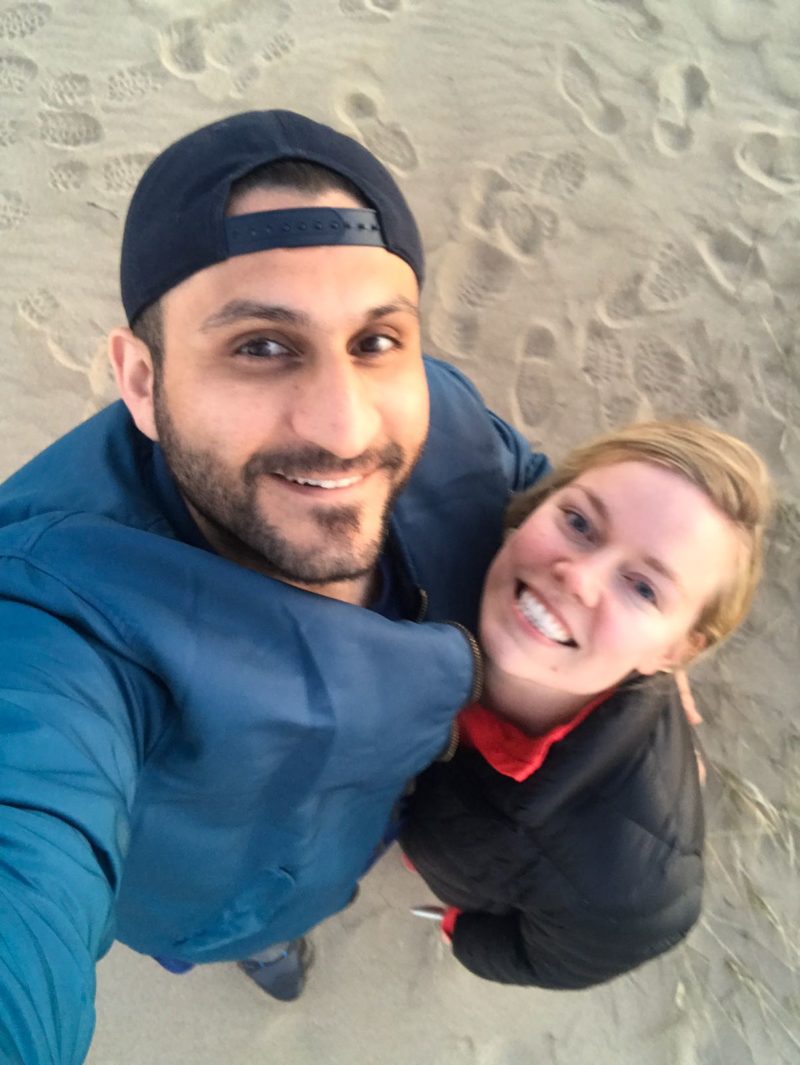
(474, 695)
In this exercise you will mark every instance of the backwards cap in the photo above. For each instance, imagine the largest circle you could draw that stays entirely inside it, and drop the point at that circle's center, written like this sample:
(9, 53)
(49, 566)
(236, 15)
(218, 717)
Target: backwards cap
(176, 222)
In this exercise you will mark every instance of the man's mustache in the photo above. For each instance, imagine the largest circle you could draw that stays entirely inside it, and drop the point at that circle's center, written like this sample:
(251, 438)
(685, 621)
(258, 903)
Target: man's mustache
(303, 462)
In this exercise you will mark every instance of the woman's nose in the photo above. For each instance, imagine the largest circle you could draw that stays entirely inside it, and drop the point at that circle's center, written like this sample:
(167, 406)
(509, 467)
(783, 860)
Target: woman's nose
(582, 576)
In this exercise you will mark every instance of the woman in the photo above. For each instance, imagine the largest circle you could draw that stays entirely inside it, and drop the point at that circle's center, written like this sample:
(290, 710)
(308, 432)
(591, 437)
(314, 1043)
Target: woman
(566, 832)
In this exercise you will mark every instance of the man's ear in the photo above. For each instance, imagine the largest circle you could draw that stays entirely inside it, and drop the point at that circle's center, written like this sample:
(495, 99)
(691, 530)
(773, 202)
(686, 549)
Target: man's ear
(132, 364)
(677, 656)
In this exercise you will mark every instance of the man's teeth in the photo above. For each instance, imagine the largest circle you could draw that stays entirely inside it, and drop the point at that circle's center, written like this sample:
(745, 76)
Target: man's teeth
(534, 611)
(342, 482)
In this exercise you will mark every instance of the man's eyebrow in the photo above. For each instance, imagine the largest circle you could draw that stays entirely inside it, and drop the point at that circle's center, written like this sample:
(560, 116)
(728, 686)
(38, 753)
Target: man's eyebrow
(649, 560)
(239, 309)
(401, 303)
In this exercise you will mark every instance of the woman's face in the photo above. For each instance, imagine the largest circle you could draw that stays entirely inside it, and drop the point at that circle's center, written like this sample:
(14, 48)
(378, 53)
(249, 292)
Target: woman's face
(608, 576)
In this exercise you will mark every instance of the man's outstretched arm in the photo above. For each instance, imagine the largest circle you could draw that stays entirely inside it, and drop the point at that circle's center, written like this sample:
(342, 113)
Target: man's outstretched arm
(68, 767)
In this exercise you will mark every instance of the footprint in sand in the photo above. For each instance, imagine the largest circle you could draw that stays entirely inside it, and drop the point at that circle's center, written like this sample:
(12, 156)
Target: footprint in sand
(278, 47)
(122, 172)
(473, 274)
(457, 334)
(387, 140)
(622, 306)
(68, 176)
(244, 79)
(181, 48)
(605, 363)
(779, 382)
(130, 85)
(662, 375)
(525, 169)
(16, 74)
(780, 255)
(484, 205)
(66, 92)
(772, 159)
(580, 85)
(669, 278)
(564, 176)
(619, 406)
(730, 257)
(13, 210)
(225, 47)
(497, 201)
(535, 391)
(784, 536)
(10, 132)
(42, 312)
(69, 129)
(716, 398)
(682, 90)
(21, 20)
(38, 307)
(528, 227)
(539, 342)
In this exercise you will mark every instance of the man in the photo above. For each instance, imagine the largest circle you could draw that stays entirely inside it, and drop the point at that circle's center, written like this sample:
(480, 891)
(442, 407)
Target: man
(203, 731)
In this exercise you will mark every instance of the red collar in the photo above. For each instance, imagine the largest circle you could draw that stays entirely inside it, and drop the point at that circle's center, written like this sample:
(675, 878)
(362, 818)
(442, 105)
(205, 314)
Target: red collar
(506, 747)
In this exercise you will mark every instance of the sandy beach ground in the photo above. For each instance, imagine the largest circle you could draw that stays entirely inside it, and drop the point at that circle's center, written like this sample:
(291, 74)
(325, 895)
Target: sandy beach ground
(609, 192)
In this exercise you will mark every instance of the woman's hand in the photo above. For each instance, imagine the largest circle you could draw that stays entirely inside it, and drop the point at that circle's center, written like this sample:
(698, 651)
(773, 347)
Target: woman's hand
(692, 715)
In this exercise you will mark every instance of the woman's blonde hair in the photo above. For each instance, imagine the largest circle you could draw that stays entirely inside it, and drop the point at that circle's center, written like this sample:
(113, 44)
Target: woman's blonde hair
(727, 470)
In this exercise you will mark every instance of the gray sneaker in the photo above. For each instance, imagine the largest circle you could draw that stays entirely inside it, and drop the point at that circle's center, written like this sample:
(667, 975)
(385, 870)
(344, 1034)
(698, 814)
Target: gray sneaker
(284, 976)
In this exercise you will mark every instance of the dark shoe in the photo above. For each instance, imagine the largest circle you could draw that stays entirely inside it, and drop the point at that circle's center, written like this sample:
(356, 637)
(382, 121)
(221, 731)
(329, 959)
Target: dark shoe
(283, 977)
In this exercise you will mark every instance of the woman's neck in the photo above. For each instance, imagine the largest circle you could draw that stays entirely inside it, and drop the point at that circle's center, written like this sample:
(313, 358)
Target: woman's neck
(532, 707)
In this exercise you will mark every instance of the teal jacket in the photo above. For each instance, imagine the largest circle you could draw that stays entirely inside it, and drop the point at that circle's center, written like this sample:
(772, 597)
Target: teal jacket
(196, 759)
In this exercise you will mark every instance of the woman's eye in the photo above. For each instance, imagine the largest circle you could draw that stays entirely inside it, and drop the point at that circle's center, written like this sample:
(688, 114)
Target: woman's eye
(578, 523)
(263, 348)
(376, 344)
(644, 590)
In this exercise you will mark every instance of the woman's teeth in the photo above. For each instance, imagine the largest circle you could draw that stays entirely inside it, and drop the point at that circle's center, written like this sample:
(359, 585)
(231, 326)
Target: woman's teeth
(535, 612)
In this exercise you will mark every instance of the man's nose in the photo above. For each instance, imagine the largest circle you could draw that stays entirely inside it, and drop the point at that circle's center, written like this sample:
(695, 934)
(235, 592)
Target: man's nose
(333, 407)
(583, 576)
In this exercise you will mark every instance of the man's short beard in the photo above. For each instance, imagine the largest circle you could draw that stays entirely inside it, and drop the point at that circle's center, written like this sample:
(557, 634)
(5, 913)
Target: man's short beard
(230, 506)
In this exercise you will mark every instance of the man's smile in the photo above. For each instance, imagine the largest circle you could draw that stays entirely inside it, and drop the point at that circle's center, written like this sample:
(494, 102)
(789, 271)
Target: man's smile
(327, 483)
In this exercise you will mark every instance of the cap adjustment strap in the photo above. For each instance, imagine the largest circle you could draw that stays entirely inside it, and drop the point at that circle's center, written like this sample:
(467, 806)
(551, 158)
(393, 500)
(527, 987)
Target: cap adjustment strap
(302, 227)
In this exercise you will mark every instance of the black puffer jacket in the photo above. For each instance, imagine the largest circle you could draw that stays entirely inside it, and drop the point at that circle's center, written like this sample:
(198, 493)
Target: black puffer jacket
(583, 871)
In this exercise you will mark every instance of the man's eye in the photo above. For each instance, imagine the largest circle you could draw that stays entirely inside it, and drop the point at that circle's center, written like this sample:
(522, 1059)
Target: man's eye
(263, 348)
(375, 344)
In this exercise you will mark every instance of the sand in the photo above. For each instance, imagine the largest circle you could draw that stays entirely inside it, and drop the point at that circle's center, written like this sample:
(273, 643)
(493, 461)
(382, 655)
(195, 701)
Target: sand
(610, 196)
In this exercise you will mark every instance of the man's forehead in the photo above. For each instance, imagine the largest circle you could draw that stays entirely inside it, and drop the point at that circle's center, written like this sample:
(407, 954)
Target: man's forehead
(309, 287)
(285, 199)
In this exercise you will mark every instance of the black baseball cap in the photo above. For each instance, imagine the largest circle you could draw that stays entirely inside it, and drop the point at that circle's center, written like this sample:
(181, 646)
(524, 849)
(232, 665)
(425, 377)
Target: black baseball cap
(176, 223)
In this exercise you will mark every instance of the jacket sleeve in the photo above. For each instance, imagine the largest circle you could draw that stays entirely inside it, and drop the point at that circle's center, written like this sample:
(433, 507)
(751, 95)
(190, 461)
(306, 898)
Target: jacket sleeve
(68, 766)
(522, 465)
(568, 952)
